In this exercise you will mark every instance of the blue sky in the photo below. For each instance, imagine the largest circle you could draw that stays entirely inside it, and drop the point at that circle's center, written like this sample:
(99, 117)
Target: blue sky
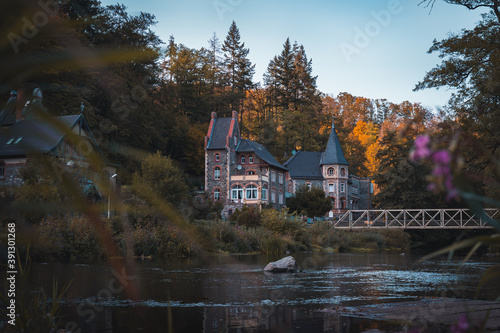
(369, 48)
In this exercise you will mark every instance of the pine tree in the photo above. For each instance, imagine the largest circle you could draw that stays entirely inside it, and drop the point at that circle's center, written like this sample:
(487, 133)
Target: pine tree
(239, 70)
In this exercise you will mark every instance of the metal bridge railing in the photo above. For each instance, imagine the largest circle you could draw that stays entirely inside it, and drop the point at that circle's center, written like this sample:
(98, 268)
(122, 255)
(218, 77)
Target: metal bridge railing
(416, 219)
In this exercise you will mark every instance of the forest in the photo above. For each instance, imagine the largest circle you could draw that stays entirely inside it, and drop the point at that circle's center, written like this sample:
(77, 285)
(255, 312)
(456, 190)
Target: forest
(142, 95)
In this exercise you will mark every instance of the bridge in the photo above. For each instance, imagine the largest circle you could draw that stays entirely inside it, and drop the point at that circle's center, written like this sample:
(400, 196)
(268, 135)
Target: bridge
(415, 219)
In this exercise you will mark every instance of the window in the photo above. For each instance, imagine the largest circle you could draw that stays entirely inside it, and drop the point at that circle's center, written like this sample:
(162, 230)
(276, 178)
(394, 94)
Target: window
(217, 157)
(273, 176)
(273, 196)
(342, 172)
(331, 171)
(264, 193)
(10, 141)
(243, 160)
(251, 192)
(217, 194)
(280, 176)
(2, 169)
(250, 172)
(280, 198)
(250, 159)
(308, 186)
(331, 188)
(342, 187)
(217, 173)
(237, 193)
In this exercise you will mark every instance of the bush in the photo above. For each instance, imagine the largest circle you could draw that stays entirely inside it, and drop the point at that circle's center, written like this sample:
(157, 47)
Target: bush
(248, 217)
(396, 239)
(272, 245)
(68, 238)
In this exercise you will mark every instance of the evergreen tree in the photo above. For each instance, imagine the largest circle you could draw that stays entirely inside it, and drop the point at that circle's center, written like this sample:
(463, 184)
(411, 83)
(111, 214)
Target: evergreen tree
(239, 70)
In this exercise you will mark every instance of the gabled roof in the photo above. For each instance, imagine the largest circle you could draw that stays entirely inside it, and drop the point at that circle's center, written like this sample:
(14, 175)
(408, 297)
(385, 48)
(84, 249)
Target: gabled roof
(8, 113)
(249, 146)
(333, 153)
(37, 135)
(220, 131)
(305, 165)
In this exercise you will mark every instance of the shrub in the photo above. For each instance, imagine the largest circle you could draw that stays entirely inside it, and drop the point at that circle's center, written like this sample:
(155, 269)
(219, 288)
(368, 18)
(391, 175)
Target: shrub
(272, 245)
(249, 217)
(68, 238)
(396, 239)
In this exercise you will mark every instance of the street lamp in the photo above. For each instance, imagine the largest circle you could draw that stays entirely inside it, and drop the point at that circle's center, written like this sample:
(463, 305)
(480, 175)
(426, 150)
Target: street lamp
(109, 194)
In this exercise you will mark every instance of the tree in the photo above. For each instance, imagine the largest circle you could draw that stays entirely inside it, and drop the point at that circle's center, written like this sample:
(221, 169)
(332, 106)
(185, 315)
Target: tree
(471, 65)
(239, 70)
(401, 184)
(161, 175)
(312, 200)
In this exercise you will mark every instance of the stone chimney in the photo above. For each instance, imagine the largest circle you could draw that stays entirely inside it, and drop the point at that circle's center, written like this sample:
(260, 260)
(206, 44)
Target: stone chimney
(213, 115)
(235, 115)
(19, 105)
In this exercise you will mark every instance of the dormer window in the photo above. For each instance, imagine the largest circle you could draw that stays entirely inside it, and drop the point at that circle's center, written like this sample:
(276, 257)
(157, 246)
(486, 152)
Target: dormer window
(243, 159)
(331, 171)
(342, 172)
(217, 157)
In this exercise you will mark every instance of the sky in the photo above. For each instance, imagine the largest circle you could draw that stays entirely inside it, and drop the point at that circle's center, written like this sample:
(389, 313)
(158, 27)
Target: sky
(370, 48)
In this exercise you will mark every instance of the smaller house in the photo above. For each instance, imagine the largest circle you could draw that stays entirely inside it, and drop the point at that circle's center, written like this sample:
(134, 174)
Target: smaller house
(25, 128)
(329, 170)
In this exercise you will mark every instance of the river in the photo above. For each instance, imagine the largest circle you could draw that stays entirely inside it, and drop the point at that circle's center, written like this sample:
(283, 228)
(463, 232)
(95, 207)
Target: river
(231, 293)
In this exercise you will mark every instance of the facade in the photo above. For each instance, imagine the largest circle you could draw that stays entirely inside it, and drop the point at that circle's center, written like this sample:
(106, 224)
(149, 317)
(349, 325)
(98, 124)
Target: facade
(24, 131)
(330, 171)
(238, 171)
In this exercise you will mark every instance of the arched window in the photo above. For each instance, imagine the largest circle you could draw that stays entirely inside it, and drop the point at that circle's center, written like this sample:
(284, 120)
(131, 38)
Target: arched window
(2, 169)
(251, 192)
(342, 187)
(308, 186)
(342, 172)
(237, 192)
(217, 157)
(250, 172)
(280, 198)
(264, 193)
(217, 173)
(331, 171)
(273, 196)
(217, 194)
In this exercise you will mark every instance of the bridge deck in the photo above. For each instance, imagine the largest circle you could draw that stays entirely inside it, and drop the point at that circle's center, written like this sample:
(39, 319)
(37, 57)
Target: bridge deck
(416, 219)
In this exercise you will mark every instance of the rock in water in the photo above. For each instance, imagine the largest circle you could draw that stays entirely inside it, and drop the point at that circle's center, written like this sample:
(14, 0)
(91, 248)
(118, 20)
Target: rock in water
(285, 265)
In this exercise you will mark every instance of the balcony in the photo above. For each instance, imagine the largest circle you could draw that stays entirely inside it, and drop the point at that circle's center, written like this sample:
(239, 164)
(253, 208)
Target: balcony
(245, 178)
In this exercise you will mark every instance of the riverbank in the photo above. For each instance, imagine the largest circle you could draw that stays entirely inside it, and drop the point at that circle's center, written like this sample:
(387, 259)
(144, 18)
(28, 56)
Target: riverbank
(74, 239)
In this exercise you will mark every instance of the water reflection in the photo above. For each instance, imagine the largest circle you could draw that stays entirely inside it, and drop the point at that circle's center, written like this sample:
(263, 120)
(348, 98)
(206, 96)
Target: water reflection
(231, 293)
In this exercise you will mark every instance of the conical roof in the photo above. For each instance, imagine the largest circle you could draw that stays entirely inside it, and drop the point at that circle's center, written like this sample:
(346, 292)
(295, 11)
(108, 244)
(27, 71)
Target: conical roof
(333, 153)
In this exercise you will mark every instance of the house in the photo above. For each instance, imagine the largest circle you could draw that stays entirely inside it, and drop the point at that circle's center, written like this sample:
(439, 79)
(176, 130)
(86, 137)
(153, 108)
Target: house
(26, 128)
(239, 171)
(329, 170)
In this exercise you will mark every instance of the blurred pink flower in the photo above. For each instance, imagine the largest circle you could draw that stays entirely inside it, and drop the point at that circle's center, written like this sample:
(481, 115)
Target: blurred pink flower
(421, 149)
(462, 325)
